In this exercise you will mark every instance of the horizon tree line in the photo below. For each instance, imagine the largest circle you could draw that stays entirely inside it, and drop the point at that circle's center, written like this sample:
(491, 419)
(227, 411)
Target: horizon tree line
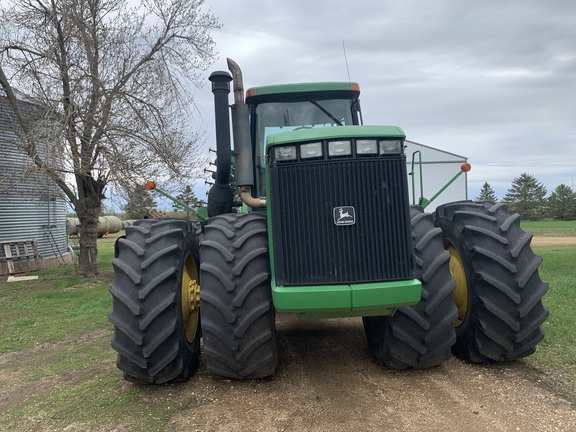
(527, 197)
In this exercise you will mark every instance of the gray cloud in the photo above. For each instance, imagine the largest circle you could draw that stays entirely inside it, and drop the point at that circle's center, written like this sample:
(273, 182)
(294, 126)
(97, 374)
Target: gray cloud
(494, 81)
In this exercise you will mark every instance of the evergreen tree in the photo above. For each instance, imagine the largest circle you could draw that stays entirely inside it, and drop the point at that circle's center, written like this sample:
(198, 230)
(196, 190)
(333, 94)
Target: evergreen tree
(526, 197)
(562, 203)
(487, 193)
(187, 197)
(139, 204)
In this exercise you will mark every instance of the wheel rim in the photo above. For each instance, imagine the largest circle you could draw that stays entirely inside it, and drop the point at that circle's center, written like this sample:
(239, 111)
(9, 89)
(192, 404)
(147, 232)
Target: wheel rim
(190, 298)
(461, 292)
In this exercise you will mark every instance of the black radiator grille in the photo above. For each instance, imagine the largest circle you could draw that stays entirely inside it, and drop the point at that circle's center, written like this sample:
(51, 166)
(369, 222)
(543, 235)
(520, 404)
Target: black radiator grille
(310, 249)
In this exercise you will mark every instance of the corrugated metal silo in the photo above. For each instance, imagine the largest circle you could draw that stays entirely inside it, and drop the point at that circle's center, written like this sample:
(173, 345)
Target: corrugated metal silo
(32, 207)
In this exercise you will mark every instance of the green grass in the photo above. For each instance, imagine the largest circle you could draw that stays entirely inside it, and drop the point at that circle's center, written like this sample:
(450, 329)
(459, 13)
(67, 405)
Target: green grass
(59, 364)
(550, 228)
(98, 398)
(51, 311)
(57, 306)
(558, 350)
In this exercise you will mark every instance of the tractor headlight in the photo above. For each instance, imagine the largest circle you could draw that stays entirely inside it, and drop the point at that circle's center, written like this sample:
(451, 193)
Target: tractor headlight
(285, 153)
(366, 147)
(390, 147)
(339, 148)
(311, 150)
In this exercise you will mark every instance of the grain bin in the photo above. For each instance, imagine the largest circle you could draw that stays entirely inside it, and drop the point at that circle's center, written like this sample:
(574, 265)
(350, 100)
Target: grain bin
(32, 207)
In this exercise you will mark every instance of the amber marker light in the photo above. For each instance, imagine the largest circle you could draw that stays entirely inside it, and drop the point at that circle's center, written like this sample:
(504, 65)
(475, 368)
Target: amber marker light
(466, 167)
(150, 185)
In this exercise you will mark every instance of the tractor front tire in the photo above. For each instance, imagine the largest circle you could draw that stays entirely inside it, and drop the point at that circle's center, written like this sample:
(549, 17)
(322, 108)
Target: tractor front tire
(238, 327)
(155, 301)
(499, 292)
(419, 336)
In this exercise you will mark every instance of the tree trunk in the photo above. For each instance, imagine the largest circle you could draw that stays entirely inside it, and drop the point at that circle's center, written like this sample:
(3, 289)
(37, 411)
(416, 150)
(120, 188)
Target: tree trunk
(88, 211)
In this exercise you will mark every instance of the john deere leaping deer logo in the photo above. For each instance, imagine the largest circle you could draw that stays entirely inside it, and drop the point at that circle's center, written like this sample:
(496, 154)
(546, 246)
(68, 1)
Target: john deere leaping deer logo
(344, 215)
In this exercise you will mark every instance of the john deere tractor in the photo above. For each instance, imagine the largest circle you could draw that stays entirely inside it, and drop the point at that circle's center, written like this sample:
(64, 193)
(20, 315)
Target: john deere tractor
(323, 228)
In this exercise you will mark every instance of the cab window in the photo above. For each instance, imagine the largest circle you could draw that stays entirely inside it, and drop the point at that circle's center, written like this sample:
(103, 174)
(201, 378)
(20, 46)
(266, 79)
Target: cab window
(274, 117)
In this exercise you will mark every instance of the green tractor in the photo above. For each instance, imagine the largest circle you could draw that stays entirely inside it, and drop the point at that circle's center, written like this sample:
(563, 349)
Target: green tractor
(323, 228)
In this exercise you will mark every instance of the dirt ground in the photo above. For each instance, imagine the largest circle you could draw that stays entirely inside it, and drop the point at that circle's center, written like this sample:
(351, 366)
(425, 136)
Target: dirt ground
(327, 381)
(553, 241)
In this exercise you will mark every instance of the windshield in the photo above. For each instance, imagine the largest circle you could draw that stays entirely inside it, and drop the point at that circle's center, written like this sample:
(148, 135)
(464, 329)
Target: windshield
(275, 117)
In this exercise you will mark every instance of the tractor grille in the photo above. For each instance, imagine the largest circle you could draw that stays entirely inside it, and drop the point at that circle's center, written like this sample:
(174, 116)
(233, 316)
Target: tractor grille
(307, 198)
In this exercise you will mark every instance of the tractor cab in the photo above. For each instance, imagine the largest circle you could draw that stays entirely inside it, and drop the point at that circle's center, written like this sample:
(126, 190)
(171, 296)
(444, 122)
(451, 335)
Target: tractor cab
(289, 107)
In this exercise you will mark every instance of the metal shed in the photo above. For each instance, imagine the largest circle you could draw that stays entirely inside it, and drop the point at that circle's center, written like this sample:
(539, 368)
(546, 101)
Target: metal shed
(32, 207)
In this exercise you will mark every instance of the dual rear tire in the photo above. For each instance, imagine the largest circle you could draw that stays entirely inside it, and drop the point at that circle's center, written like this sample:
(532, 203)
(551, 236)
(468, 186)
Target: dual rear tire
(156, 300)
(481, 291)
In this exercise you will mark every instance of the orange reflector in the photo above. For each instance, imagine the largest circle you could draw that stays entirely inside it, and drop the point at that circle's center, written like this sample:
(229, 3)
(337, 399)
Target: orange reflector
(355, 87)
(466, 167)
(250, 92)
(150, 185)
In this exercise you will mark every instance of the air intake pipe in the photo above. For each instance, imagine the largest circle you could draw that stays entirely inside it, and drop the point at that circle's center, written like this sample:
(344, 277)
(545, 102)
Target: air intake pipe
(220, 196)
(242, 143)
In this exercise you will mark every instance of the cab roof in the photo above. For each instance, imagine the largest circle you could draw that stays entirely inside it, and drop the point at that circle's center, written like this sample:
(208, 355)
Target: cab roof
(341, 89)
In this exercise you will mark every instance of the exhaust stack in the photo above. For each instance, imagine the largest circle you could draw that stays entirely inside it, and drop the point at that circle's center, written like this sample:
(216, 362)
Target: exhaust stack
(220, 196)
(242, 143)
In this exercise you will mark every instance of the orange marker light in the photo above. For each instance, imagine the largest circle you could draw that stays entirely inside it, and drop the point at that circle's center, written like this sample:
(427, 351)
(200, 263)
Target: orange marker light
(466, 167)
(150, 185)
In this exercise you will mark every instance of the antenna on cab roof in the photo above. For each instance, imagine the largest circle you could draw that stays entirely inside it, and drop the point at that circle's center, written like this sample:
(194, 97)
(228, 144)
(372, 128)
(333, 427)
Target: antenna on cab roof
(346, 60)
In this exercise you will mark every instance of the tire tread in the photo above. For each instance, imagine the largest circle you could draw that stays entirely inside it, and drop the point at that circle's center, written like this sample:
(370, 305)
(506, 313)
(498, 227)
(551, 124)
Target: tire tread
(419, 336)
(148, 335)
(505, 310)
(236, 299)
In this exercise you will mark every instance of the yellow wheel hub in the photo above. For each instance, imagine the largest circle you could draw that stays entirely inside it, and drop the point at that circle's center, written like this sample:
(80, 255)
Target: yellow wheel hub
(190, 298)
(461, 291)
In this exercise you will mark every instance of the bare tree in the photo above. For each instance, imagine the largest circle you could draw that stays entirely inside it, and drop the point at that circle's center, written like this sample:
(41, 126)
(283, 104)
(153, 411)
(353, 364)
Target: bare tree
(116, 83)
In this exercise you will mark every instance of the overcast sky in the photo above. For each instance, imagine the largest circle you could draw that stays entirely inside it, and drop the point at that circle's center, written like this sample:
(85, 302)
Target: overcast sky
(494, 81)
